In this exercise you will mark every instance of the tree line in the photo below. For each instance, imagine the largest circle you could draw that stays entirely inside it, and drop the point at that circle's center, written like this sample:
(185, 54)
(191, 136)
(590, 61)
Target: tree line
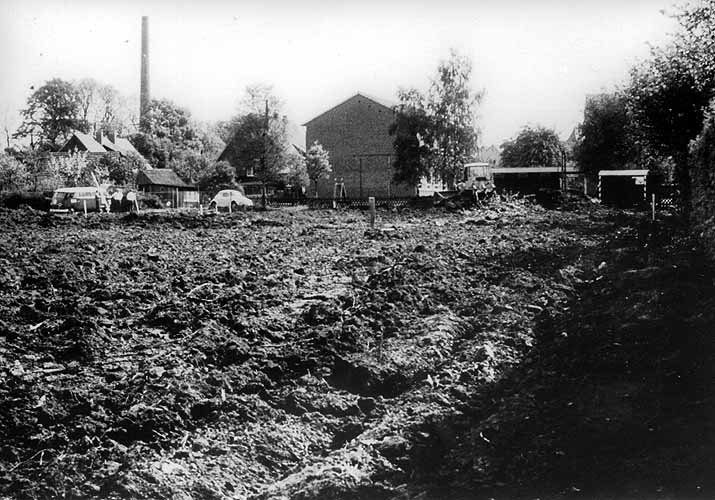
(661, 119)
(436, 132)
(434, 135)
(654, 120)
(658, 118)
(256, 136)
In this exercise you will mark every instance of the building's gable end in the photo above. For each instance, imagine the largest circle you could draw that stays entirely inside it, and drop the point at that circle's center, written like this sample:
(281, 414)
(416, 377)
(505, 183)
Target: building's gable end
(357, 98)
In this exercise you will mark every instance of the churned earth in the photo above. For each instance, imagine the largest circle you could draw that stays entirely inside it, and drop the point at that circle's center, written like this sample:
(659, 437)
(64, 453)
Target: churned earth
(509, 351)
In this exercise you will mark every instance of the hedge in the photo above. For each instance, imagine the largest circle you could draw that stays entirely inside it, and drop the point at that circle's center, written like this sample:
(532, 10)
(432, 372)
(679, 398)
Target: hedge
(702, 175)
(16, 199)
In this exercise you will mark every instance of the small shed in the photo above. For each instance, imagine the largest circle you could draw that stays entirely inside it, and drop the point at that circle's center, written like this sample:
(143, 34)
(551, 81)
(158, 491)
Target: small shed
(623, 188)
(167, 186)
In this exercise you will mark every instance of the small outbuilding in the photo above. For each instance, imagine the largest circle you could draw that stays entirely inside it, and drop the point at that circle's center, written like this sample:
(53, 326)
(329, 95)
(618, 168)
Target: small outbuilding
(623, 188)
(167, 186)
(529, 180)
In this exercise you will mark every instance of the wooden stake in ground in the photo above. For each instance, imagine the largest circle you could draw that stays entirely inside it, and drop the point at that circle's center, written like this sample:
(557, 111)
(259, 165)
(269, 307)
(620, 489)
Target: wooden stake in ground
(371, 202)
(84, 203)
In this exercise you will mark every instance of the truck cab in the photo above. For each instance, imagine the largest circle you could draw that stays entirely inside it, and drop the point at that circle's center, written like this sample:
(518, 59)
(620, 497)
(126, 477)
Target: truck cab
(477, 177)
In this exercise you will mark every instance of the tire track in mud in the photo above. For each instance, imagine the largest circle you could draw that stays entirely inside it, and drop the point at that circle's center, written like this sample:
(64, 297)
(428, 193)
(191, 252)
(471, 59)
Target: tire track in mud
(422, 379)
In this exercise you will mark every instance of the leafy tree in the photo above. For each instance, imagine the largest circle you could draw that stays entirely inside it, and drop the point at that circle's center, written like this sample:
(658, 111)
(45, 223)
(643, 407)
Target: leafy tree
(533, 147)
(668, 94)
(74, 169)
(317, 164)
(606, 135)
(100, 106)
(257, 138)
(189, 164)
(171, 134)
(695, 41)
(412, 129)
(211, 144)
(219, 176)
(35, 165)
(297, 173)
(702, 160)
(52, 114)
(172, 122)
(437, 134)
(452, 105)
(246, 150)
(257, 97)
(121, 169)
(13, 174)
(668, 108)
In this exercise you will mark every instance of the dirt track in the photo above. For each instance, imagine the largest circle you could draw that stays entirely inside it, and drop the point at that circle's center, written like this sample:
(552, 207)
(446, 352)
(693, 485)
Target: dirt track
(273, 355)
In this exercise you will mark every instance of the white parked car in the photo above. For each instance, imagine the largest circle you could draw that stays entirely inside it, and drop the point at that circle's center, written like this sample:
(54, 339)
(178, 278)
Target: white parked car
(230, 199)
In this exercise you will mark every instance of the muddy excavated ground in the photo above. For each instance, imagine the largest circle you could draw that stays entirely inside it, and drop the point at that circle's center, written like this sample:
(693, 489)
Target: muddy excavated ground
(506, 352)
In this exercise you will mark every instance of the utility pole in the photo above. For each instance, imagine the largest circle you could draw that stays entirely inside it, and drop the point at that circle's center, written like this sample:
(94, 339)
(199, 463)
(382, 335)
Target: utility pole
(360, 163)
(264, 157)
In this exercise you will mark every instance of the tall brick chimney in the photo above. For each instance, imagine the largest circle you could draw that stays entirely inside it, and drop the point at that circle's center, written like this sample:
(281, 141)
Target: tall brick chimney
(144, 88)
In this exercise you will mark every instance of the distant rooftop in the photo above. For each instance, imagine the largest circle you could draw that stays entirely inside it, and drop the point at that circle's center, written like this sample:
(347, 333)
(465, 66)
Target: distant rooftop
(382, 102)
(160, 177)
(85, 142)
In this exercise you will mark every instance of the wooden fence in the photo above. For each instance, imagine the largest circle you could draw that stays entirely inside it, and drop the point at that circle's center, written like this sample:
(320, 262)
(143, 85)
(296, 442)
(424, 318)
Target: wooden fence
(355, 203)
(667, 197)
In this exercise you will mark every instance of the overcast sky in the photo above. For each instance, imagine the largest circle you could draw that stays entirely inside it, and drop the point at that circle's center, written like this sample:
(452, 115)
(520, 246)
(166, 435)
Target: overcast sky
(536, 59)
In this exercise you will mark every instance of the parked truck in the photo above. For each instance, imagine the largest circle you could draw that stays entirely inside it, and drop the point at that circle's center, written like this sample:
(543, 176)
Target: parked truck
(475, 185)
(78, 199)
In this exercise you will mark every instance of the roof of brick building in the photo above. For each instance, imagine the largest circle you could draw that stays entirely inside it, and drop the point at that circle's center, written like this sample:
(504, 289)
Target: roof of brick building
(382, 102)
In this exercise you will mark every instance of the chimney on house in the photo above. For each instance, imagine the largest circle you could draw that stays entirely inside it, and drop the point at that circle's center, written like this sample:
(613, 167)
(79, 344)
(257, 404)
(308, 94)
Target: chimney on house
(144, 86)
(112, 136)
(98, 135)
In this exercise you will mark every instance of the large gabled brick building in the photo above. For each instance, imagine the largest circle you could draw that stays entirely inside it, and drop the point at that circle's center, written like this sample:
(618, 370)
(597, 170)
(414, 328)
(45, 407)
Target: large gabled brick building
(356, 134)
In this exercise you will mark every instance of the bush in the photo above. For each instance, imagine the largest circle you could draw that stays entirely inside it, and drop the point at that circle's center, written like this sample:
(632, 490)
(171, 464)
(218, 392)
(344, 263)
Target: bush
(15, 199)
(702, 168)
(13, 174)
(147, 200)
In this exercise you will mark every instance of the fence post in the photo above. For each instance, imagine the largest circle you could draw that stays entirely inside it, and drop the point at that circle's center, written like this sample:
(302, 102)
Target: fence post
(652, 204)
(371, 203)
(84, 203)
